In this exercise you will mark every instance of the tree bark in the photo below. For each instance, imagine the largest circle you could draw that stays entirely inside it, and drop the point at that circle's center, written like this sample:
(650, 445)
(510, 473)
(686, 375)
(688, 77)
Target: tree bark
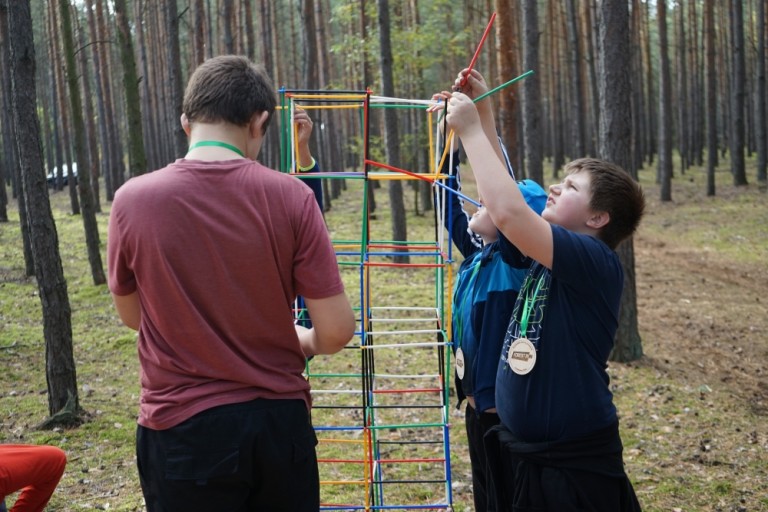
(761, 121)
(136, 153)
(57, 327)
(638, 99)
(391, 134)
(615, 145)
(506, 55)
(665, 101)
(683, 90)
(532, 93)
(575, 83)
(556, 99)
(651, 131)
(6, 123)
(113, 176)
(92, 172)
(709, 35)
(738, 94)
(83, 183)
(64, 147)
(696, 101)
(174, 77)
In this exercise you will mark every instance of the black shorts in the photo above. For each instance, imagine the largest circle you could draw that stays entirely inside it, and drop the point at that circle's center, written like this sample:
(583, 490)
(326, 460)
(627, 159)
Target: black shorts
(257, 455)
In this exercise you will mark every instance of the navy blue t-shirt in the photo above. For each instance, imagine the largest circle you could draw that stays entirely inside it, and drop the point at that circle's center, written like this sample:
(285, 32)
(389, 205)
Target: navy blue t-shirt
(572, 324)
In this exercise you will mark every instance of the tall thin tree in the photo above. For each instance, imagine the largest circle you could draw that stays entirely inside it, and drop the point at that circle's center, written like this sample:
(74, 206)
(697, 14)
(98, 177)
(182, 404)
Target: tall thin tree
(391, 133)
(92, 173)
(532, 93)
(138, 158)
(665, 102)
(63, 401)
(709, 36)
(761, 121)
(113, 177)
(174, 76)
(83, 185)
(10, 149)
(615, 145)
(6, 125)
(64, 147)
(576, 143)
(506, 56)
(738, 94)
(683, 88)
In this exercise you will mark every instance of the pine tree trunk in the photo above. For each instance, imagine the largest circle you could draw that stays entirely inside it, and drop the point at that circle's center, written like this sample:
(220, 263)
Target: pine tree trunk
(83, 183)
(761, 121)
(137, 155)
(576, 146)
(738, 94)
(113, 176)
(57, 327)
(90, 125)
(615, 145)
(532, 93)
(506, 54)
(665, 102)
(709, 35)
(391, 134)
(683, 91)
(174, 77)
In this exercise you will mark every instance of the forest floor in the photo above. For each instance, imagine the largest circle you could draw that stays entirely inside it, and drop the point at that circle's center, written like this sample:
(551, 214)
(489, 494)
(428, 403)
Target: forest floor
(694, 409)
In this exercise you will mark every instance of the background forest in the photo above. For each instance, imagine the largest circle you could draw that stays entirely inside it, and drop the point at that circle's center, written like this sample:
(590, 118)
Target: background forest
(688, 60)
(670, 89)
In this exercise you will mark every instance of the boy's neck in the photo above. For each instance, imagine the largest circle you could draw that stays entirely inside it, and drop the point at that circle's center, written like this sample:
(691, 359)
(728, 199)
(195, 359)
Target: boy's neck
(487, 240)
(220, 141)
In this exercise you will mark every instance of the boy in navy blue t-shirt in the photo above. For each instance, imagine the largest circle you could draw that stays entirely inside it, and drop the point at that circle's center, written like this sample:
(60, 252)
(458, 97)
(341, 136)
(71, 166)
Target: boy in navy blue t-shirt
(558, 446)
(483, 296)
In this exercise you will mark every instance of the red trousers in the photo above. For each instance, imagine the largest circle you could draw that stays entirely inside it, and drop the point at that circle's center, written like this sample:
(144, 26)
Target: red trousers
(35, 470)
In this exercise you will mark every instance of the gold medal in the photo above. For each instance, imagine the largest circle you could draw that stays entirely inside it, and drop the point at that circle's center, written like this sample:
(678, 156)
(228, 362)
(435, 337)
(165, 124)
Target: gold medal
(460, 363)
(521, 356)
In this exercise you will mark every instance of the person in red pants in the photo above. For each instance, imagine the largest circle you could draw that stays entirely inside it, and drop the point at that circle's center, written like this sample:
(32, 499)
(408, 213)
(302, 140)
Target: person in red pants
(34, 470)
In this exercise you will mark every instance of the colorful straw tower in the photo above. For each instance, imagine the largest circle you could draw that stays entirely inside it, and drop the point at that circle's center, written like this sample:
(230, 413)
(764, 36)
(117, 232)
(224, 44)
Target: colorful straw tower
(381, 406)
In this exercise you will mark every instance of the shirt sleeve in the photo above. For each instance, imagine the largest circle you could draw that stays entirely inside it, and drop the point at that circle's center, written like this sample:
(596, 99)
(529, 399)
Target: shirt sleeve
(316, 272)
(120, 277)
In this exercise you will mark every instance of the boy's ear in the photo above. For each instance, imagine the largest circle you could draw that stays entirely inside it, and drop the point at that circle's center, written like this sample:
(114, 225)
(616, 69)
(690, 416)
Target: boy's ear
(185, 123)
(598, 220)
(257, 123)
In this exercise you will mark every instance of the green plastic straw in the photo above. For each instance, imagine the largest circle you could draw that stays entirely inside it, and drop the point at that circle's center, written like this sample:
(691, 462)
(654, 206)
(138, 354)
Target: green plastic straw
(502, 86)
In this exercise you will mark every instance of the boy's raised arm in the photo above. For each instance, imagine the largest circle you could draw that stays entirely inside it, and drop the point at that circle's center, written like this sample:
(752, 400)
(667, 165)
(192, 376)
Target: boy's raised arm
(531, 234)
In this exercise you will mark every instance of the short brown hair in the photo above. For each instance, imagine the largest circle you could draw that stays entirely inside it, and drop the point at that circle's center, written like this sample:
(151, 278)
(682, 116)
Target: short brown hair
(613, 191)
(228, 88)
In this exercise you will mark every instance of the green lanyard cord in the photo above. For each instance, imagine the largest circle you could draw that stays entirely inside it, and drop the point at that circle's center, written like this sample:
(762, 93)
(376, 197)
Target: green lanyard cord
(530, 299)
(460, 310)
(217, 143)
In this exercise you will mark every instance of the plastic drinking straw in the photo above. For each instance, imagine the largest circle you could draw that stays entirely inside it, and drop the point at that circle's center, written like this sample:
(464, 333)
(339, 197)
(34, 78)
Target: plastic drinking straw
(477, 51)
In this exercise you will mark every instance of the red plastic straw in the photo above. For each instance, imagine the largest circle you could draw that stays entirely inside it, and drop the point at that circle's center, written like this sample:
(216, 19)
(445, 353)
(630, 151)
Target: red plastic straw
(477, 52)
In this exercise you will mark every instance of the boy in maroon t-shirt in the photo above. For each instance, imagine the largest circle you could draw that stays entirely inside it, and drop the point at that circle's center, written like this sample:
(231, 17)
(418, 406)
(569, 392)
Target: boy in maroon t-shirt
(206, 257)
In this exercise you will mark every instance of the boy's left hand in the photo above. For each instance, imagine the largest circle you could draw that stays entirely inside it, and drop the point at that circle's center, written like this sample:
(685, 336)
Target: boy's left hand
(303, 126)
(441, 98)
(462, 114)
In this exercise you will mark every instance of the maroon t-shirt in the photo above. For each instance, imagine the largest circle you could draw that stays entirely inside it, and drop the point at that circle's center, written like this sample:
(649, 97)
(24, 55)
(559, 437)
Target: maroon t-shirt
(218, 251)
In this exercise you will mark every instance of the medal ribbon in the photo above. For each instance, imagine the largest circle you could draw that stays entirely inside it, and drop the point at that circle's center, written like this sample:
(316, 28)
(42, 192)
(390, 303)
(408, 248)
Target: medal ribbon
(530, 299)
(217, 143)
(463, 303)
